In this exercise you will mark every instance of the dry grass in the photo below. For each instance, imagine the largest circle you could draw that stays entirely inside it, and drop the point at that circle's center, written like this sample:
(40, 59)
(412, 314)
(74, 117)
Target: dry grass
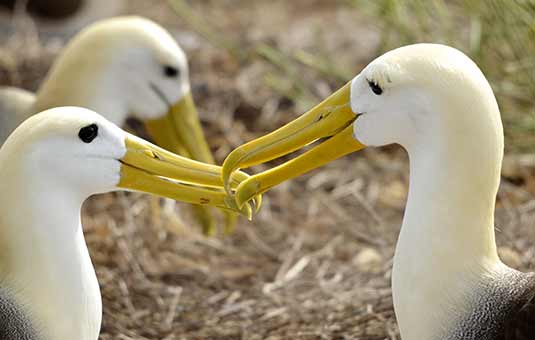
(315, 264)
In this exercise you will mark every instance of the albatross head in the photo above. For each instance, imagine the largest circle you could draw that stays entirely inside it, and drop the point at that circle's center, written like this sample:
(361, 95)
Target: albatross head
(77, 153)
(416, 96)
(420, 94)
(129, 66)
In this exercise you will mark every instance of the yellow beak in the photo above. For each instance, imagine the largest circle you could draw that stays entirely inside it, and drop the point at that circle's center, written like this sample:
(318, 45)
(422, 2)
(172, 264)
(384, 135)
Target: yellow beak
(151, 169)
(180, 131)
(332, 119)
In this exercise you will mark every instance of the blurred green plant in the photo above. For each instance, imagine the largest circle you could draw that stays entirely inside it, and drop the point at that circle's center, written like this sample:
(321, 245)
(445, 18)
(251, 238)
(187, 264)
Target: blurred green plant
(498, 34)
(286, 81)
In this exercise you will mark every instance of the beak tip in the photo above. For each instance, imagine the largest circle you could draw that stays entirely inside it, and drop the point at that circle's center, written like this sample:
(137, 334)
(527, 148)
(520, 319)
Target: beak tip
(249, 213)
(258, 203)
(247, 191)
(243, 209)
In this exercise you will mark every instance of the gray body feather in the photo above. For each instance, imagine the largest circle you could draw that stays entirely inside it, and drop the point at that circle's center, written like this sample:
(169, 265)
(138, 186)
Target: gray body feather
(504, 309)
(14, 325)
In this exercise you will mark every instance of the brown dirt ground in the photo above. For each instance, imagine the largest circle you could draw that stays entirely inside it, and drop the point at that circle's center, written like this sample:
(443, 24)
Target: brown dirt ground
(316, 262)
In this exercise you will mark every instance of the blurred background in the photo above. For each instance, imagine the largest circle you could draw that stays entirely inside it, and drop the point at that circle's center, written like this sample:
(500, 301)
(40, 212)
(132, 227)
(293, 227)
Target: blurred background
(315, 263)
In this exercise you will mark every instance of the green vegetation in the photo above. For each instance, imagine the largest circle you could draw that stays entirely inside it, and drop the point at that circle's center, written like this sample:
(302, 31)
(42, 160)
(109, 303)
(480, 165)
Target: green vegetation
(498, 34)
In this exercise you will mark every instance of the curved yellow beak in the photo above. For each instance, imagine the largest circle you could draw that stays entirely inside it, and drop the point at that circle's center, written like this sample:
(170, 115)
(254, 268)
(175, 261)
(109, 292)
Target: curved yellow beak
(180, 131)
(148, 168)
(332, 119)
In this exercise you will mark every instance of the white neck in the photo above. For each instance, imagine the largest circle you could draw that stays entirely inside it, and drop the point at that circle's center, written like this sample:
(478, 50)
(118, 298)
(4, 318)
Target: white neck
(447, 237)
(44, 260)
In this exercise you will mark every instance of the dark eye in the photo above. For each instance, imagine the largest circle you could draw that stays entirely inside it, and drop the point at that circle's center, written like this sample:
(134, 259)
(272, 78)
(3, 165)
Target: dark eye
(88, 133)
(170, 71)
(375, 87)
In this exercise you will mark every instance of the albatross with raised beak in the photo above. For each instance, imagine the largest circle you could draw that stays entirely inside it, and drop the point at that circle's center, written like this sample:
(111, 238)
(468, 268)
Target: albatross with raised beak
(448, 281)
(48, 167)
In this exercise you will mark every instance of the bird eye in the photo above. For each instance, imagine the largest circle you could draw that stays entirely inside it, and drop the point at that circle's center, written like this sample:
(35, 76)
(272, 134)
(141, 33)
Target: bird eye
(170, 71)
(88, 133)
(375, 87)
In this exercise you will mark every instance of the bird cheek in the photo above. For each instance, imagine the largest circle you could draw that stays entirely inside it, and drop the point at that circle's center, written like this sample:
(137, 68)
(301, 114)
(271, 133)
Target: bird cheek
(363, 130)
(150, 110)
(375, 129)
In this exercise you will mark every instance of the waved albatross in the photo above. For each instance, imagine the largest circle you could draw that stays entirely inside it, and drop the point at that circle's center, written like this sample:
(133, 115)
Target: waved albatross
(48, 166)
(447, 281)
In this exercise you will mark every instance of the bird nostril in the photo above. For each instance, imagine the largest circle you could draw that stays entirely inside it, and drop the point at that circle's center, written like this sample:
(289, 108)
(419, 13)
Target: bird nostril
(153, 154)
